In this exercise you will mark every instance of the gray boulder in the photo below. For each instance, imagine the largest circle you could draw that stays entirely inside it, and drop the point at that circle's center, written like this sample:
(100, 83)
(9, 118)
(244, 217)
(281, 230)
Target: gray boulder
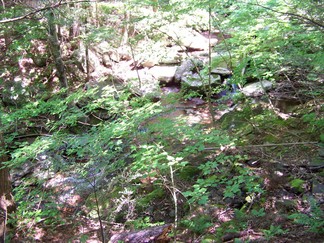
(257, 88)
(141, 82)
(171, 56)
(164, 74)
(188, 67)
(198, 82)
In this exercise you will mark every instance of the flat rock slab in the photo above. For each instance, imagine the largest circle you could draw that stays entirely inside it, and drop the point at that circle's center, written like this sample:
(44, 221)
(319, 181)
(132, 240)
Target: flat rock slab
(257, 88)
(221, 71)
(193, 80)
(164, 74)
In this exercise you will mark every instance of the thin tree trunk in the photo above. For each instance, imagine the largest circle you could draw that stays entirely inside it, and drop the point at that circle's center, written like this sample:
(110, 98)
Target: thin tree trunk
(155, 5)
(86, 43)
(209, 92)
(87, 61)
(3, 5)
(97, 15)
(125, 28)
(6, 200)
(56, 50)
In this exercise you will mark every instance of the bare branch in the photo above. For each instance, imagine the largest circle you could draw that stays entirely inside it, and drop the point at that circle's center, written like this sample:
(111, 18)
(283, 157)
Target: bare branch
(56, 5)
(267, 145)
(301, 17)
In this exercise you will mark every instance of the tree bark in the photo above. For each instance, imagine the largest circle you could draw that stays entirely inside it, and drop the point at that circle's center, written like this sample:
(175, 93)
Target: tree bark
(86, 43)
(6, 200)
(56, 50)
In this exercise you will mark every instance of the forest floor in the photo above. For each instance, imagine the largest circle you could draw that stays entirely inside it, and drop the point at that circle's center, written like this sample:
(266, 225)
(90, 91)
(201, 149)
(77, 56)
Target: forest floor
(282, 152)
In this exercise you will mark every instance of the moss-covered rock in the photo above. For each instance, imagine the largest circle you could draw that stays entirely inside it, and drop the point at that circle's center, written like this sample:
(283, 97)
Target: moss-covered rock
(189, 173)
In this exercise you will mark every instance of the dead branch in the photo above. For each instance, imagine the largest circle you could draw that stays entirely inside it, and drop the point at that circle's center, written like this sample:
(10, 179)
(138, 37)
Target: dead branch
(232, 236)
(298, 16)
(26, 16)
(153, 234)
(266, 145)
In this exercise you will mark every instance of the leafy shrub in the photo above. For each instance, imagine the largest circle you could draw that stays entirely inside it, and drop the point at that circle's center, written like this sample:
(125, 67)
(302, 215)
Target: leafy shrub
(313, 220)
(224, 172)
(273, 231)
(198, 224)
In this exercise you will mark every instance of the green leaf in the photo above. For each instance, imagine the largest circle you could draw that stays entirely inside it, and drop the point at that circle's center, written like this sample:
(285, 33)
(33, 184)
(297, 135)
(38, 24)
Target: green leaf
(203, 200)
(322, 137)
(297, 183)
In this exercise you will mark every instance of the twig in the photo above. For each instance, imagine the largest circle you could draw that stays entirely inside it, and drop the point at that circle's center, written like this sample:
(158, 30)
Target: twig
(97, 117)
(227, 47)
(94, 186)
(278, 144)
(209, 91)
(265, 145)
(175, 201)
(33, 135)
(293, 87)
(262, 86)
(292, 14)
(87, 124)
(136, 64)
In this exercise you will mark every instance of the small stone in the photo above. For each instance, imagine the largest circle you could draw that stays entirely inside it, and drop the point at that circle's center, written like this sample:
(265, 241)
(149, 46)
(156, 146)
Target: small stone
(318, 188)
(321, 152)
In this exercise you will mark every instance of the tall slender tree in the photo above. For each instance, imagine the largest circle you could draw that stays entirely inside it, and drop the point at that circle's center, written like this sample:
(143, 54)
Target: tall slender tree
(56, 49)
(6, 198)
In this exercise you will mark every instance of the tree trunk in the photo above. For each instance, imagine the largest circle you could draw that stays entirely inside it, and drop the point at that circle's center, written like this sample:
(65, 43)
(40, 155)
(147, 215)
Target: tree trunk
(155, 5)
(56, 50)
(86, 44)
(6, 199)
(125, 29)
(3, 6)
(74, 30)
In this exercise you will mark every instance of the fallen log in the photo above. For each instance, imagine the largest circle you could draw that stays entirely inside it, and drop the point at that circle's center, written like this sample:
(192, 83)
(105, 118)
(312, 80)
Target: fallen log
(234, 235)
(157, 234)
